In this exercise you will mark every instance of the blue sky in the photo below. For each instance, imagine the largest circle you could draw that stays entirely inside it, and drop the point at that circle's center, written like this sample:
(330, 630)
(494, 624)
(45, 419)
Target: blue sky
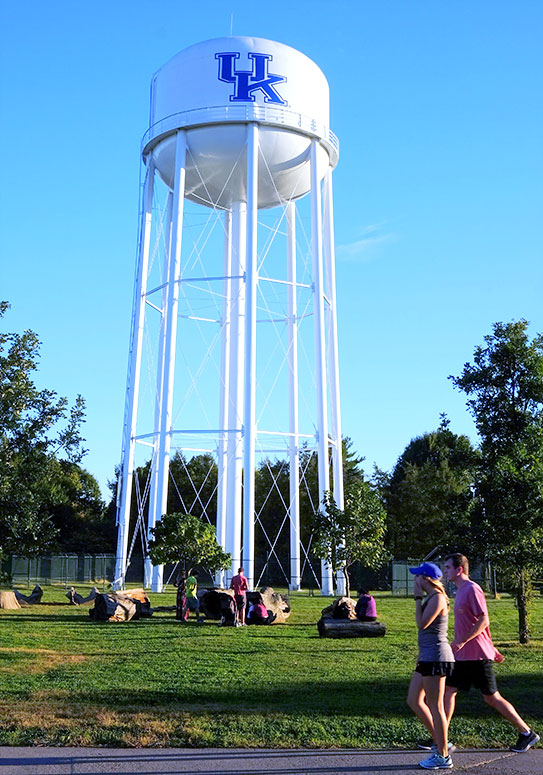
(438, 196)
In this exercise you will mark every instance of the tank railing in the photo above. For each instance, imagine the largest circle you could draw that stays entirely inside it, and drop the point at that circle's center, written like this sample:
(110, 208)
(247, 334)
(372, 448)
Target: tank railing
(240, 114)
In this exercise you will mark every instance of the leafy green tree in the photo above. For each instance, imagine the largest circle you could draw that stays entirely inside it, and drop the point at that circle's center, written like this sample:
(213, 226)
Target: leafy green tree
(429, 495)
(78, 512)
(504, 385)
(355, 533)
(37, 428)
(187, 540)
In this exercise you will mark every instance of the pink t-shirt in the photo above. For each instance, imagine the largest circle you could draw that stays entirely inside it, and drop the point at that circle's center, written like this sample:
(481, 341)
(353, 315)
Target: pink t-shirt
(239, 584)
(470, 603)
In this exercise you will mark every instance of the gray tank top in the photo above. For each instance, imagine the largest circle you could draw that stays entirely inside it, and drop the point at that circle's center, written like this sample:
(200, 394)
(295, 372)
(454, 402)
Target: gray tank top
(433, 643)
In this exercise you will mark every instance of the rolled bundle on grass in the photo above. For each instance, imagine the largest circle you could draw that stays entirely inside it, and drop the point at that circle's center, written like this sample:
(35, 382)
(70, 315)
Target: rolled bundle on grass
(32, 599)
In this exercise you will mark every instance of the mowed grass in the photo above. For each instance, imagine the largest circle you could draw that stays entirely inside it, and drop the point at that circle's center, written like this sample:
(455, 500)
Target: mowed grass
(67, 681)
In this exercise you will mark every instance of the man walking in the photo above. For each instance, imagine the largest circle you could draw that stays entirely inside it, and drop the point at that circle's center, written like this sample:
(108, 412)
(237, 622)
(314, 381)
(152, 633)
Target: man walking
(474, 651)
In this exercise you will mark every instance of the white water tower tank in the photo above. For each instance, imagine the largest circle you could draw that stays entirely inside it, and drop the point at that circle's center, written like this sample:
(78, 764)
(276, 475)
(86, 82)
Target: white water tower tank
(212, 90)
(239, 125)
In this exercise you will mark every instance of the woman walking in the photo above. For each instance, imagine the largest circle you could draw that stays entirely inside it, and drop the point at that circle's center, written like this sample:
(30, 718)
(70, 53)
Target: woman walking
(435, 662)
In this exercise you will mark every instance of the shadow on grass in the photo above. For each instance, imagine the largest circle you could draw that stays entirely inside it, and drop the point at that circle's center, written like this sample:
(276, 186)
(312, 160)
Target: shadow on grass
(345, 698)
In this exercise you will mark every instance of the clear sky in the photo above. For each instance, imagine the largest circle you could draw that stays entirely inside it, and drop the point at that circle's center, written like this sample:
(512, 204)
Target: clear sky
(438, 191)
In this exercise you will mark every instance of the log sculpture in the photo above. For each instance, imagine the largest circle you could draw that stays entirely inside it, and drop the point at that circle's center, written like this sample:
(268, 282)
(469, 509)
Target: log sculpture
(121, 606)
(8, 600)
(216, 603)
(32, 599)
(347, 628)
(279, 605)
(76, 599)
(338, 620)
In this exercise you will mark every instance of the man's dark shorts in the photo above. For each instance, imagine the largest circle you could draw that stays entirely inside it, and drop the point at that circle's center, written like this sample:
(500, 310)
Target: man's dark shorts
(478, 673)
(240, 601)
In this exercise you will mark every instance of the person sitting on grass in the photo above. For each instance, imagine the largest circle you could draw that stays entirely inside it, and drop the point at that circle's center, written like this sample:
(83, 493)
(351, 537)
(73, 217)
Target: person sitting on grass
(259, 614)
(365, 609)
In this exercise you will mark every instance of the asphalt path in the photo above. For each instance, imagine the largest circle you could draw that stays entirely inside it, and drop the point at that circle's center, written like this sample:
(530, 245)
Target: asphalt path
(221, 761)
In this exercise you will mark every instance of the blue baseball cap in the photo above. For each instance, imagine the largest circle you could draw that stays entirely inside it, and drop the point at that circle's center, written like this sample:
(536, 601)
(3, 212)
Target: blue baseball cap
(427, 569)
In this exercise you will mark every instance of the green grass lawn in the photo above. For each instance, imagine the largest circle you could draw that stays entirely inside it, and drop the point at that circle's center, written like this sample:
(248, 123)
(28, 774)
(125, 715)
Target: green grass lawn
(67, 681)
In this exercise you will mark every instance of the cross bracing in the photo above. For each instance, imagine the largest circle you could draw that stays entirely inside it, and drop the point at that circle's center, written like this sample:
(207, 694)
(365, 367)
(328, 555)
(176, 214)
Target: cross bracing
(192, 405)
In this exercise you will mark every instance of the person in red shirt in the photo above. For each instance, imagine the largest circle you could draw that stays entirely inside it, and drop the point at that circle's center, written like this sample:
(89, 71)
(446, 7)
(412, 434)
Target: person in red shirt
(240, 586)
(475, 653)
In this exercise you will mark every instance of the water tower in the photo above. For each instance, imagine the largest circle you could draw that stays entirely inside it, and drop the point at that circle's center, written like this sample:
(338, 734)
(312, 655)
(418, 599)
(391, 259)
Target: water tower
(233, 351)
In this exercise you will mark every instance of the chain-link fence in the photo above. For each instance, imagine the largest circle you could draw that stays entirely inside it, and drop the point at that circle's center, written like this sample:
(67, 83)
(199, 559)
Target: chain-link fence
(62, 569)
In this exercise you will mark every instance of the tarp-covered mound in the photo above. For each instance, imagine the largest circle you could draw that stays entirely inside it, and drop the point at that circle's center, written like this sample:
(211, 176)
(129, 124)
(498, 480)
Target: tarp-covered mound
(121, 606)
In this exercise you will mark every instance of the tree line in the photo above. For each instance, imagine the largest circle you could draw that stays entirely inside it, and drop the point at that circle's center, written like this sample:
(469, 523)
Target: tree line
(485, 500)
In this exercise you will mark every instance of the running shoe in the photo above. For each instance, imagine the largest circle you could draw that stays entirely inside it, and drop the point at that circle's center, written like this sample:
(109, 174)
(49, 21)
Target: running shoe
(525, 741)
(436, 762)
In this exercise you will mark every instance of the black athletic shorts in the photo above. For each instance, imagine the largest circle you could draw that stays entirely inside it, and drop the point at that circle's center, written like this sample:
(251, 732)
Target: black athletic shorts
(240, 601)
(477, 672)
(434, 668)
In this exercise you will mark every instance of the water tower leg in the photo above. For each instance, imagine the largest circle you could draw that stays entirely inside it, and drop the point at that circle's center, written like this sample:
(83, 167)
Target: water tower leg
(132, 388)
(249, 423)
(153, 496)
(333, 359)
(236, 370)
(294, 457)
(164, 441)
(224, 395)
(327, 587)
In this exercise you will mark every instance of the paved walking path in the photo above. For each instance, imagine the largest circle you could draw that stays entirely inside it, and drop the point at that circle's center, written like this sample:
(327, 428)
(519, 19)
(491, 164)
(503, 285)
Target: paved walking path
(221, 761)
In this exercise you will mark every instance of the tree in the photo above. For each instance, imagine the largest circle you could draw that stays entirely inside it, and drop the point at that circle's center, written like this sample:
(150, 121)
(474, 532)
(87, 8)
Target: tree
(355, 533)
(187, 540)
(36, 430)
(504, 386)
(78, 512)
(429, 495)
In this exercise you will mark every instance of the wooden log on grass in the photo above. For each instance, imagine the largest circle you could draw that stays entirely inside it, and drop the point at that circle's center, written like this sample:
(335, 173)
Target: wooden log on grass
(8, 600)
(349, 628)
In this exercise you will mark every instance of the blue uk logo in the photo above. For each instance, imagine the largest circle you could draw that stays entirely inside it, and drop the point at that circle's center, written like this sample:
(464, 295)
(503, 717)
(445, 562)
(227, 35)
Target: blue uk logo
(247, 82)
